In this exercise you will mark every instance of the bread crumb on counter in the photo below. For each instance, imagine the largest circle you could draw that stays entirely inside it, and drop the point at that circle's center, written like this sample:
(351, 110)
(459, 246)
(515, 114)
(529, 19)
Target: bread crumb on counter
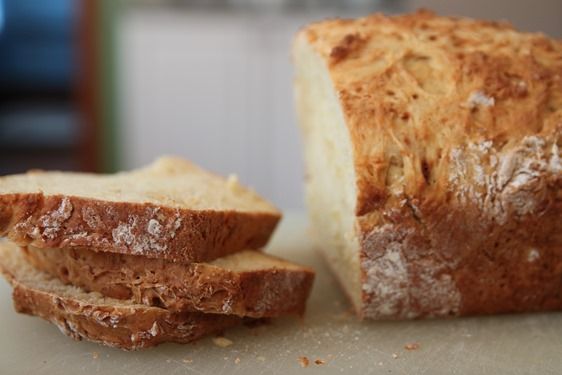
(319, 362)
(304, 361)
(412, 346)
(222, 342)
(237, 360)
(394, 355)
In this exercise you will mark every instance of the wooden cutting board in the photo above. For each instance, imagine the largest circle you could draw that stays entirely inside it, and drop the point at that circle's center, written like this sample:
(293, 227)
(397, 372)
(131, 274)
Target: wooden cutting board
(329, 335)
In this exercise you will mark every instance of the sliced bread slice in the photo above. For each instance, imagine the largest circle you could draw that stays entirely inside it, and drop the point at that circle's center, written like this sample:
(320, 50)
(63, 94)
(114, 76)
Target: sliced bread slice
(248, 283)
(171, 209)
(91, 316)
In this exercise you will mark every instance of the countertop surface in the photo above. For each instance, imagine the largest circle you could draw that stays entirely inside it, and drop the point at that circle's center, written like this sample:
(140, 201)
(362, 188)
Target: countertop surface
(328, 335)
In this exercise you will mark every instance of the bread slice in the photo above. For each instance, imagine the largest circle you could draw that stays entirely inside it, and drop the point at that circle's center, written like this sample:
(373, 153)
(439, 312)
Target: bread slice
(170, 209)
(91, 316)
(248, 283)
(433, 157)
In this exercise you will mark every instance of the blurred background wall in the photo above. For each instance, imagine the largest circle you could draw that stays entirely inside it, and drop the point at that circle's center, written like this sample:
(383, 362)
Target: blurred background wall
(101, 85)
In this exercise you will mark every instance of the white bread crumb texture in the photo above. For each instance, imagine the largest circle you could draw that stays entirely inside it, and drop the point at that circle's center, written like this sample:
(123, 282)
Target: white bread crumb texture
(168, 182)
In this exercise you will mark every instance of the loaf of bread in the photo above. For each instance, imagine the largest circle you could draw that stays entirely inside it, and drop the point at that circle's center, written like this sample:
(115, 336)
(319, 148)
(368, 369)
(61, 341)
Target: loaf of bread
(432, 149)
(170, 209)
(248, 283)
(81, 315)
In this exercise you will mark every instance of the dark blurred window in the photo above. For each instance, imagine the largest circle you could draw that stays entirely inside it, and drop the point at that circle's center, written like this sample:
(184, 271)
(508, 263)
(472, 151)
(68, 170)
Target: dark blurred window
(1, 15)
(38, 118)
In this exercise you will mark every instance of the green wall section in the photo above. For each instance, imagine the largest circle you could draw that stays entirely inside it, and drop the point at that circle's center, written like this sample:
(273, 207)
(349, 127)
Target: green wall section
(107, 33)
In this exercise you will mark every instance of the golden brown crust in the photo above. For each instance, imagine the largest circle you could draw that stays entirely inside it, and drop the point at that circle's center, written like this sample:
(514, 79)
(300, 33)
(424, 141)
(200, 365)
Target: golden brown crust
(266, 292)
(456, 128)
(131, 228)
(414, 87)
(125, 328)
(439, 262)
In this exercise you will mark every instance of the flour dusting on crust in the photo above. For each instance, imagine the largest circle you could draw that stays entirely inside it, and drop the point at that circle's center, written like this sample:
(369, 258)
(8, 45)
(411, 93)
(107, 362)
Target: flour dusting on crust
(480, 98)
(92, 218)
(512, 183)
(269, 297)
(400, 287)
(49, 224)
(146, 233)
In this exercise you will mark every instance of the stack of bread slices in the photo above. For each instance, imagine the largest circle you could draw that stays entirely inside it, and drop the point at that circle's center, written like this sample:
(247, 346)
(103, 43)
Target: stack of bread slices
(169, 252)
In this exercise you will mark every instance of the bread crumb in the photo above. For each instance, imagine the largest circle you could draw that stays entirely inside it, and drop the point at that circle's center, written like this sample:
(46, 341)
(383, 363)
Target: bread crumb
(304, 361)
(412, 346)
(187, 360)
(95, 355)
(237, 360)
(380, 363)
(223, 342)
(394, 355)
(319, 362)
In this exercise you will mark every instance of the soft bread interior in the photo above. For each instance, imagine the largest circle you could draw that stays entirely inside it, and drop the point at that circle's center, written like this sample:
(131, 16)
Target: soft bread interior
(330, 176)
(251, 260)
(169, 181)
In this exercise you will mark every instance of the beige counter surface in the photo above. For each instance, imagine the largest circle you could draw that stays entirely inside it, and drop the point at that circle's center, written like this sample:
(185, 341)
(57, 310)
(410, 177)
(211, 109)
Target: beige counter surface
(511, 344)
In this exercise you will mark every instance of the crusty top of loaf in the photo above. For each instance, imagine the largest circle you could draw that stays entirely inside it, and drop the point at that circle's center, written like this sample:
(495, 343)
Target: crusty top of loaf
(424, 97)
(169, 181)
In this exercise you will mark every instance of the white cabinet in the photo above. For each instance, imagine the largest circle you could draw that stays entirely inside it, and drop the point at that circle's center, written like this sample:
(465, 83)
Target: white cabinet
(216, 89)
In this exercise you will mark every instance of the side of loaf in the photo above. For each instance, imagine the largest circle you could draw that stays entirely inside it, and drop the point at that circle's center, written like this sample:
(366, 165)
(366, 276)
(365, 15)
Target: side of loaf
(170, 209)
(434, 174)
(81, 315)
(248, 283)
